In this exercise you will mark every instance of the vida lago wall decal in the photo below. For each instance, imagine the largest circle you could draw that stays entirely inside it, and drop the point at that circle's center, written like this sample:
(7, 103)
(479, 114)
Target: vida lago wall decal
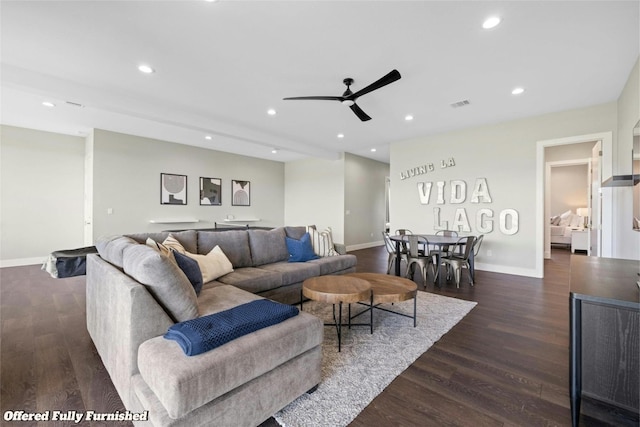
(508, 219)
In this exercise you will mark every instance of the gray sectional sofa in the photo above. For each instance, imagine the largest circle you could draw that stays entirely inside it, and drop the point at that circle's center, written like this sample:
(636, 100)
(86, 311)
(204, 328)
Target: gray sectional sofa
(135, 293)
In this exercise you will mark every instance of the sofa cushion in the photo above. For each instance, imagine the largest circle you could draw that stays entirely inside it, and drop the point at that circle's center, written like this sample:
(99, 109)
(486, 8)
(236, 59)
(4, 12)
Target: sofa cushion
(164, 280)
(191, 269)
(183, 383)
(293, 272)
(234, 244)
(295, 232)
(335, 264)
(111, 249)
(253, 279)
(187, 238)
(300, 250)
(268, 246)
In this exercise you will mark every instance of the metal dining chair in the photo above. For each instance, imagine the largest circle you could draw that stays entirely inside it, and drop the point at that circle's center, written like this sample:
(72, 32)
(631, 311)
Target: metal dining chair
(403, 245)
(457, 262)
(447, 233)
(391, 249)
(417, 257)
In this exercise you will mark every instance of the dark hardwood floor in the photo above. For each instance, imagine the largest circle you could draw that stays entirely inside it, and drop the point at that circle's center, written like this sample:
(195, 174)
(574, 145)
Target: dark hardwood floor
(504, 364)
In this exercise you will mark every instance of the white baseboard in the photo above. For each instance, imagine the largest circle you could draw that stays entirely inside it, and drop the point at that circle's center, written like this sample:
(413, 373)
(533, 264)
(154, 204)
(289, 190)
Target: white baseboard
(22, 261)
(505, 269)
(364, 245)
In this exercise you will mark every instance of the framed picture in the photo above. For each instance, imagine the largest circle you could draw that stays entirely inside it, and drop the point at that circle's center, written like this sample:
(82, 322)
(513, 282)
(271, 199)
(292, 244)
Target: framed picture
(173, 189)
(210, 191)
(240, 193)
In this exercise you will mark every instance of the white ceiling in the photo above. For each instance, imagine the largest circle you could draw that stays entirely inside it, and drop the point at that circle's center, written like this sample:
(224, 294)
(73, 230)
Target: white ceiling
(221, 65)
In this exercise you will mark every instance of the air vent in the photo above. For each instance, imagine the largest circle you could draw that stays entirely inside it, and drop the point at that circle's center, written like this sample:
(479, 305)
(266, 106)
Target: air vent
(460, 103)
(73, 104)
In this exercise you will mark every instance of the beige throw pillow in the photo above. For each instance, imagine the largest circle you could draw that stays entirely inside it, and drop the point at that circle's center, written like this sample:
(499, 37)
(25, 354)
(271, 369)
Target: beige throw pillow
(212, 265)
(173, 243)
(322, 241)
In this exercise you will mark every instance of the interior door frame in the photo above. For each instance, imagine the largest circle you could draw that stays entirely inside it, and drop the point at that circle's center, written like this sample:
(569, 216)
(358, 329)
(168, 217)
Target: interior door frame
(607, 146)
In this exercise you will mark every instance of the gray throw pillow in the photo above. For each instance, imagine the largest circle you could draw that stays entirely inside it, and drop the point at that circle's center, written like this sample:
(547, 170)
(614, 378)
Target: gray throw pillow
(163, 279)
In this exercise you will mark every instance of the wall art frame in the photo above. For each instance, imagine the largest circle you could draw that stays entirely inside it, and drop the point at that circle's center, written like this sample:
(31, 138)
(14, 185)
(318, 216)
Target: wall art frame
(240, 193)
(210, 191)
(173, 189)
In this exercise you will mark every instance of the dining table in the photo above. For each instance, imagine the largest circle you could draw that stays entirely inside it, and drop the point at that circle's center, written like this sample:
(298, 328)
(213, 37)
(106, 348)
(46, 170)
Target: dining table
(438, 240)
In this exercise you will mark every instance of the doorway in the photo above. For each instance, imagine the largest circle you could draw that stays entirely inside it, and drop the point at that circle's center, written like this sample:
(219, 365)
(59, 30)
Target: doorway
(603, 224)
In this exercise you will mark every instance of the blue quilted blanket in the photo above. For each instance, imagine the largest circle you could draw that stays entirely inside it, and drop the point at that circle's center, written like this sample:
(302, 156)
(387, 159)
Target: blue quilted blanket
(205, 333)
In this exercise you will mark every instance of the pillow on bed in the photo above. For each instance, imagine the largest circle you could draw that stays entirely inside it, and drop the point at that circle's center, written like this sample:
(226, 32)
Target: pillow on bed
(565, 218)
(555, 220)
(576, 221)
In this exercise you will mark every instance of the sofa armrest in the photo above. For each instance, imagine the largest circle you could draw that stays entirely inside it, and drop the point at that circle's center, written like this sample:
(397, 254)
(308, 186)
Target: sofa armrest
(184, 383)
(340, 248)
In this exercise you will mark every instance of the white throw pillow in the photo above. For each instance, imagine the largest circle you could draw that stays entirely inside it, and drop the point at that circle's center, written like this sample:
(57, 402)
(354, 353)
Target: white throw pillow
(212, 265)
(565, 219)
(576, 221)
(322, 242)
(158, 246)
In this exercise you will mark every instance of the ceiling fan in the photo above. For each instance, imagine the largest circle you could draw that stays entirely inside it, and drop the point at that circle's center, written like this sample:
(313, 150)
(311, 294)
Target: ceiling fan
(349, 98)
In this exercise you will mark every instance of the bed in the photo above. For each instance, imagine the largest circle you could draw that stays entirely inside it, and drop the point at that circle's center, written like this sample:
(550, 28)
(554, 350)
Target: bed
(561, 226)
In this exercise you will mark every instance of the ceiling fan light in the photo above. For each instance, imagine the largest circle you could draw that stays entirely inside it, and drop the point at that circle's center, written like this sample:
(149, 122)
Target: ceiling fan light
(348, 102)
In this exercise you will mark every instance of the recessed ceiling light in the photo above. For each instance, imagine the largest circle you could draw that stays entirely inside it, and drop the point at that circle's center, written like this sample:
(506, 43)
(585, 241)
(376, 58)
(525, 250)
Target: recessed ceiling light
(271, 112)
(491, 22)
(517, 91)
(208, 137)
(373, 150)
(408, 117)
(48, 104)
(146, 69)
(274, 151)
(340, 135)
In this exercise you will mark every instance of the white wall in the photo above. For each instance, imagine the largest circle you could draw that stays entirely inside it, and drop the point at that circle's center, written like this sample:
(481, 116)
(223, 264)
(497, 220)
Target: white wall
(126, 180)
(314, 194)
(505, 155)
(364, 201)
(626, 243)
(569, 188)
(41, 177)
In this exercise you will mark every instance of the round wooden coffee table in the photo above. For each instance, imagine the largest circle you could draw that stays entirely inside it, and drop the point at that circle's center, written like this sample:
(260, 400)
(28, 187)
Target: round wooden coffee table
(389, 289)
(338, 289)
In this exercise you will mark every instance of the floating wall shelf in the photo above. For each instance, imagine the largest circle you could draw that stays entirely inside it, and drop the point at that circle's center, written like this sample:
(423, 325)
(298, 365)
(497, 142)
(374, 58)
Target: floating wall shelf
(173, 221)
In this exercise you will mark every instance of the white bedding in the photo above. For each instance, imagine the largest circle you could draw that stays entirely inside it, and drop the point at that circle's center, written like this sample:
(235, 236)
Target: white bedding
(560, 234)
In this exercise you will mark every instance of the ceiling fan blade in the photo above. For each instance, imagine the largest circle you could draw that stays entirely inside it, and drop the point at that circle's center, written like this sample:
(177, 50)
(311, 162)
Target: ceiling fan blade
(389, 78)
(361, 114)
(321, 98)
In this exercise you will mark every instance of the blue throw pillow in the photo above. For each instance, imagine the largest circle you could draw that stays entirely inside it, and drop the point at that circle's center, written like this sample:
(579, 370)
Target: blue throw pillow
(190, 268)
(300, 250)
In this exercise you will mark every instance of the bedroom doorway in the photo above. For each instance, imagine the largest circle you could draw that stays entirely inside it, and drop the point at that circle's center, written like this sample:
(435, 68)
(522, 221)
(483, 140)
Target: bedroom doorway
(601, 224)
(568, 194)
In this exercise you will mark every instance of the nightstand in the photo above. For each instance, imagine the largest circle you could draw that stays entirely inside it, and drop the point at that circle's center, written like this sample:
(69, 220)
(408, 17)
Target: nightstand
(580, 240)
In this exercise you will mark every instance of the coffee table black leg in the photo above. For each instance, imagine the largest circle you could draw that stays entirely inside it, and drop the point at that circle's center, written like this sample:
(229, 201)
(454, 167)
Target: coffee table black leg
(340, 327)
(371, 312)
(398, 258)
(415, 298)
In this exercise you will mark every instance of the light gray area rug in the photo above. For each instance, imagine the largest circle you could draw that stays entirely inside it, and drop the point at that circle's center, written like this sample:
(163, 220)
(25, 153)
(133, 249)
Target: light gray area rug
(369, 362)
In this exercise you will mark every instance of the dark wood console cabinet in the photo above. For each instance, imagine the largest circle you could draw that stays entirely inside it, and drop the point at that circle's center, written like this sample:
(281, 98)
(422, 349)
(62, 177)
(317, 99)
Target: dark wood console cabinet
(604, 332)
